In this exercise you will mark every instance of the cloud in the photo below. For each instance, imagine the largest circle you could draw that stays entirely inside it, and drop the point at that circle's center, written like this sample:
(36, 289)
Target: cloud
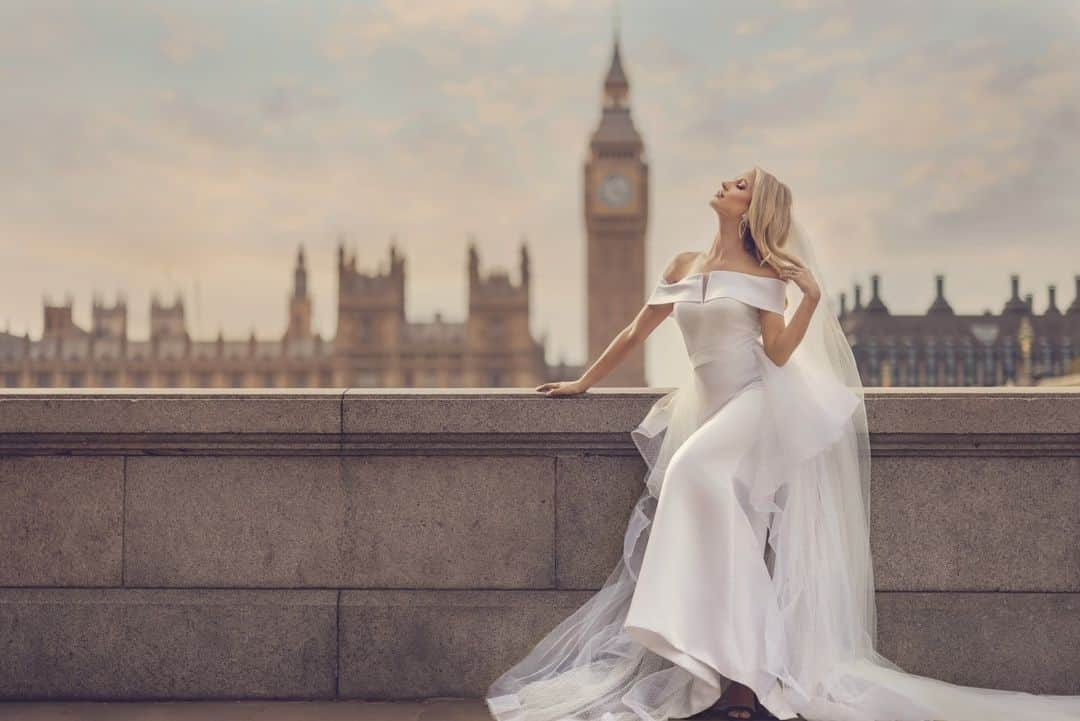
(289, 98)
(357, 32)
(183, 37)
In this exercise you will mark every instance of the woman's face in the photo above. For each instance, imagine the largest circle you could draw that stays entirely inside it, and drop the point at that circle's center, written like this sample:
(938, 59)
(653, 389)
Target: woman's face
(733, 198)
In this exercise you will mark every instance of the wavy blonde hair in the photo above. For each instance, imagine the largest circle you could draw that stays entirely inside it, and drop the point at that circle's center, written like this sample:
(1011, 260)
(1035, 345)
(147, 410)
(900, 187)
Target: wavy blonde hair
(765, 227)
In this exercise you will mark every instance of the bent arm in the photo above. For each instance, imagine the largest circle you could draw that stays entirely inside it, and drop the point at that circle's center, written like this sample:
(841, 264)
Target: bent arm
(624, 341)
(780, 341)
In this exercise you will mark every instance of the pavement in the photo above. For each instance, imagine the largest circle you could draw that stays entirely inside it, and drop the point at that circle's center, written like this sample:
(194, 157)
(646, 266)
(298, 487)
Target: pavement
(346, 710)
(426, 710)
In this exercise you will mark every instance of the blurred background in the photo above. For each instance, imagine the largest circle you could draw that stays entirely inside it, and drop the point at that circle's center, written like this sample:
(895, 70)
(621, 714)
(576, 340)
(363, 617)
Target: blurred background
(463, 193)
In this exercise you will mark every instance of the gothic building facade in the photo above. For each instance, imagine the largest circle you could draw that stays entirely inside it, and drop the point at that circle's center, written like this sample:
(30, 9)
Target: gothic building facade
(942, 348)
(375, 345)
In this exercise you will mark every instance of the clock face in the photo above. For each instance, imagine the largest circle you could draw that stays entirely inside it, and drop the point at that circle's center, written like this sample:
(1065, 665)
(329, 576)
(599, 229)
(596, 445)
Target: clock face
(615, 190)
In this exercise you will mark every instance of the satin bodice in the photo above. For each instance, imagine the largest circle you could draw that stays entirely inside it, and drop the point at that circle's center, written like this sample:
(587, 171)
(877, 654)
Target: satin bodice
(717, 311)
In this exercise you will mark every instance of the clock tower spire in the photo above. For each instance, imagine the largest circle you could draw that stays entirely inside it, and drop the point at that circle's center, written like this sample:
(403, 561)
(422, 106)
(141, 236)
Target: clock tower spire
(616, 215)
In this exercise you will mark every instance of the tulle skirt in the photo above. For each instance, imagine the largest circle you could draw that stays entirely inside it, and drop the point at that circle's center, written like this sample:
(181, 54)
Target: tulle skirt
(669, 646)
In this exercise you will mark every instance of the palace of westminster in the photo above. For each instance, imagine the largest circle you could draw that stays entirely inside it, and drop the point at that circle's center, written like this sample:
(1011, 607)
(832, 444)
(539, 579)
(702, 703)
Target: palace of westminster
(375, 345)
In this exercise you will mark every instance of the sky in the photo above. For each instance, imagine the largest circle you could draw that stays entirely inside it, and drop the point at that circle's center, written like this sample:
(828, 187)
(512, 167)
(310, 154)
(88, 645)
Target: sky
(190, 147)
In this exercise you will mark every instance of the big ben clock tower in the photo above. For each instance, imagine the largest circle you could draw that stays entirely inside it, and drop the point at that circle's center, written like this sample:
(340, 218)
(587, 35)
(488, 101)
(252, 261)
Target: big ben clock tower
(616, 214)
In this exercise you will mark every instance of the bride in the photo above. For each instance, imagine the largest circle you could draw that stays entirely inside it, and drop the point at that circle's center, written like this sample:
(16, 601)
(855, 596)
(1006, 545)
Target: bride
(745, 582)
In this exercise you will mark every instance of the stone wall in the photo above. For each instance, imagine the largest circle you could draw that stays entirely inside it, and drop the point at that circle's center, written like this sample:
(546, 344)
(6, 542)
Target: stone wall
(397, 544)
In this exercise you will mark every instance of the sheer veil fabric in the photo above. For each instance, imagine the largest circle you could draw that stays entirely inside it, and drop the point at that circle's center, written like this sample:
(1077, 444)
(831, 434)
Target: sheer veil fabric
(810, 470)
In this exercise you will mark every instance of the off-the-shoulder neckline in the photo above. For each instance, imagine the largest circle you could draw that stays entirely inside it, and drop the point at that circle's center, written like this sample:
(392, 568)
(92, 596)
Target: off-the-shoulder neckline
(719, 270)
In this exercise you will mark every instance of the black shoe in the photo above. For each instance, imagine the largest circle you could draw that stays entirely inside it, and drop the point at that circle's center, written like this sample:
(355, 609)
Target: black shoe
(761, 713)
(725, 712)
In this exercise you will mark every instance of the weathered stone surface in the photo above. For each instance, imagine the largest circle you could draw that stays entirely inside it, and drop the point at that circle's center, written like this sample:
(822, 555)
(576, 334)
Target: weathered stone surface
(155, 643)
(60, 520)
(364, 521)
(889, 410)
(1014, 641)
(181, 410)
(972, 410)
(976, 524)
(509, 410)
(410, 644)
(448, 522)
(595, 497)
(456, 642)
(234, 521)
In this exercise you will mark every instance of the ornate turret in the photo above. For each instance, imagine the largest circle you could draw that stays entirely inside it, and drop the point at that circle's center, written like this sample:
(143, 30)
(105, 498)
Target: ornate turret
(300, 302)
(474, 261)
(616, 86)
(371, 305)
(1015, 304)
(1074, 307)
(616, 130)
(940, 305)
(875, 305)
(525, 271)
(1051, 303)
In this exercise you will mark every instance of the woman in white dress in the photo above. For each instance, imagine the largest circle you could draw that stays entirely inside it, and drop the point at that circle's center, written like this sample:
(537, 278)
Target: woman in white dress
(746, 582)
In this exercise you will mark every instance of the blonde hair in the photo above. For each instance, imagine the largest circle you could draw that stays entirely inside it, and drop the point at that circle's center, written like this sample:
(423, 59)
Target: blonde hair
(765, 227)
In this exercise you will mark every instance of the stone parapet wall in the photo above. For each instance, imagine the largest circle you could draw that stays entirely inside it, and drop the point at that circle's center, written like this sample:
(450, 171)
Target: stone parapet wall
(396, 544)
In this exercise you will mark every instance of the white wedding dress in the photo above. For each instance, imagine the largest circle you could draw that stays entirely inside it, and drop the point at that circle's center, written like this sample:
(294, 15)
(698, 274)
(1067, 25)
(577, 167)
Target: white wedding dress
(746, 557)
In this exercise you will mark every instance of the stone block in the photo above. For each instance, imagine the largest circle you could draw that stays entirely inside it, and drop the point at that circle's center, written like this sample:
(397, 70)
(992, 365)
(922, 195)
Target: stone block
(595, 496)
(967, 523)
(1012, 641)
(362, 521)
(230, 521)
(60, 520)
(494, 411)
(448, 522)
(173, 411)
(972, 411)
(414, 644)
(167, 644)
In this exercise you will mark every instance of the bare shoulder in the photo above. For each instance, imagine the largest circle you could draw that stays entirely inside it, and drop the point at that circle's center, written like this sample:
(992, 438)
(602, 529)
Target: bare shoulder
(769, 272)
(678, 265)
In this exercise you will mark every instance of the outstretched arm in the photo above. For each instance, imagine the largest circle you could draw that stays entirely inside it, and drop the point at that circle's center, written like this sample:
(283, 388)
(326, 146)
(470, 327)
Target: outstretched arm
(780, 341)
(624, 341)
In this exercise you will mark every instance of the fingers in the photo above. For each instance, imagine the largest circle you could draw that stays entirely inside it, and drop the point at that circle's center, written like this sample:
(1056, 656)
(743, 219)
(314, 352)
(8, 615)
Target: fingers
(556, 388)
(549, 388)
(793, 272)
